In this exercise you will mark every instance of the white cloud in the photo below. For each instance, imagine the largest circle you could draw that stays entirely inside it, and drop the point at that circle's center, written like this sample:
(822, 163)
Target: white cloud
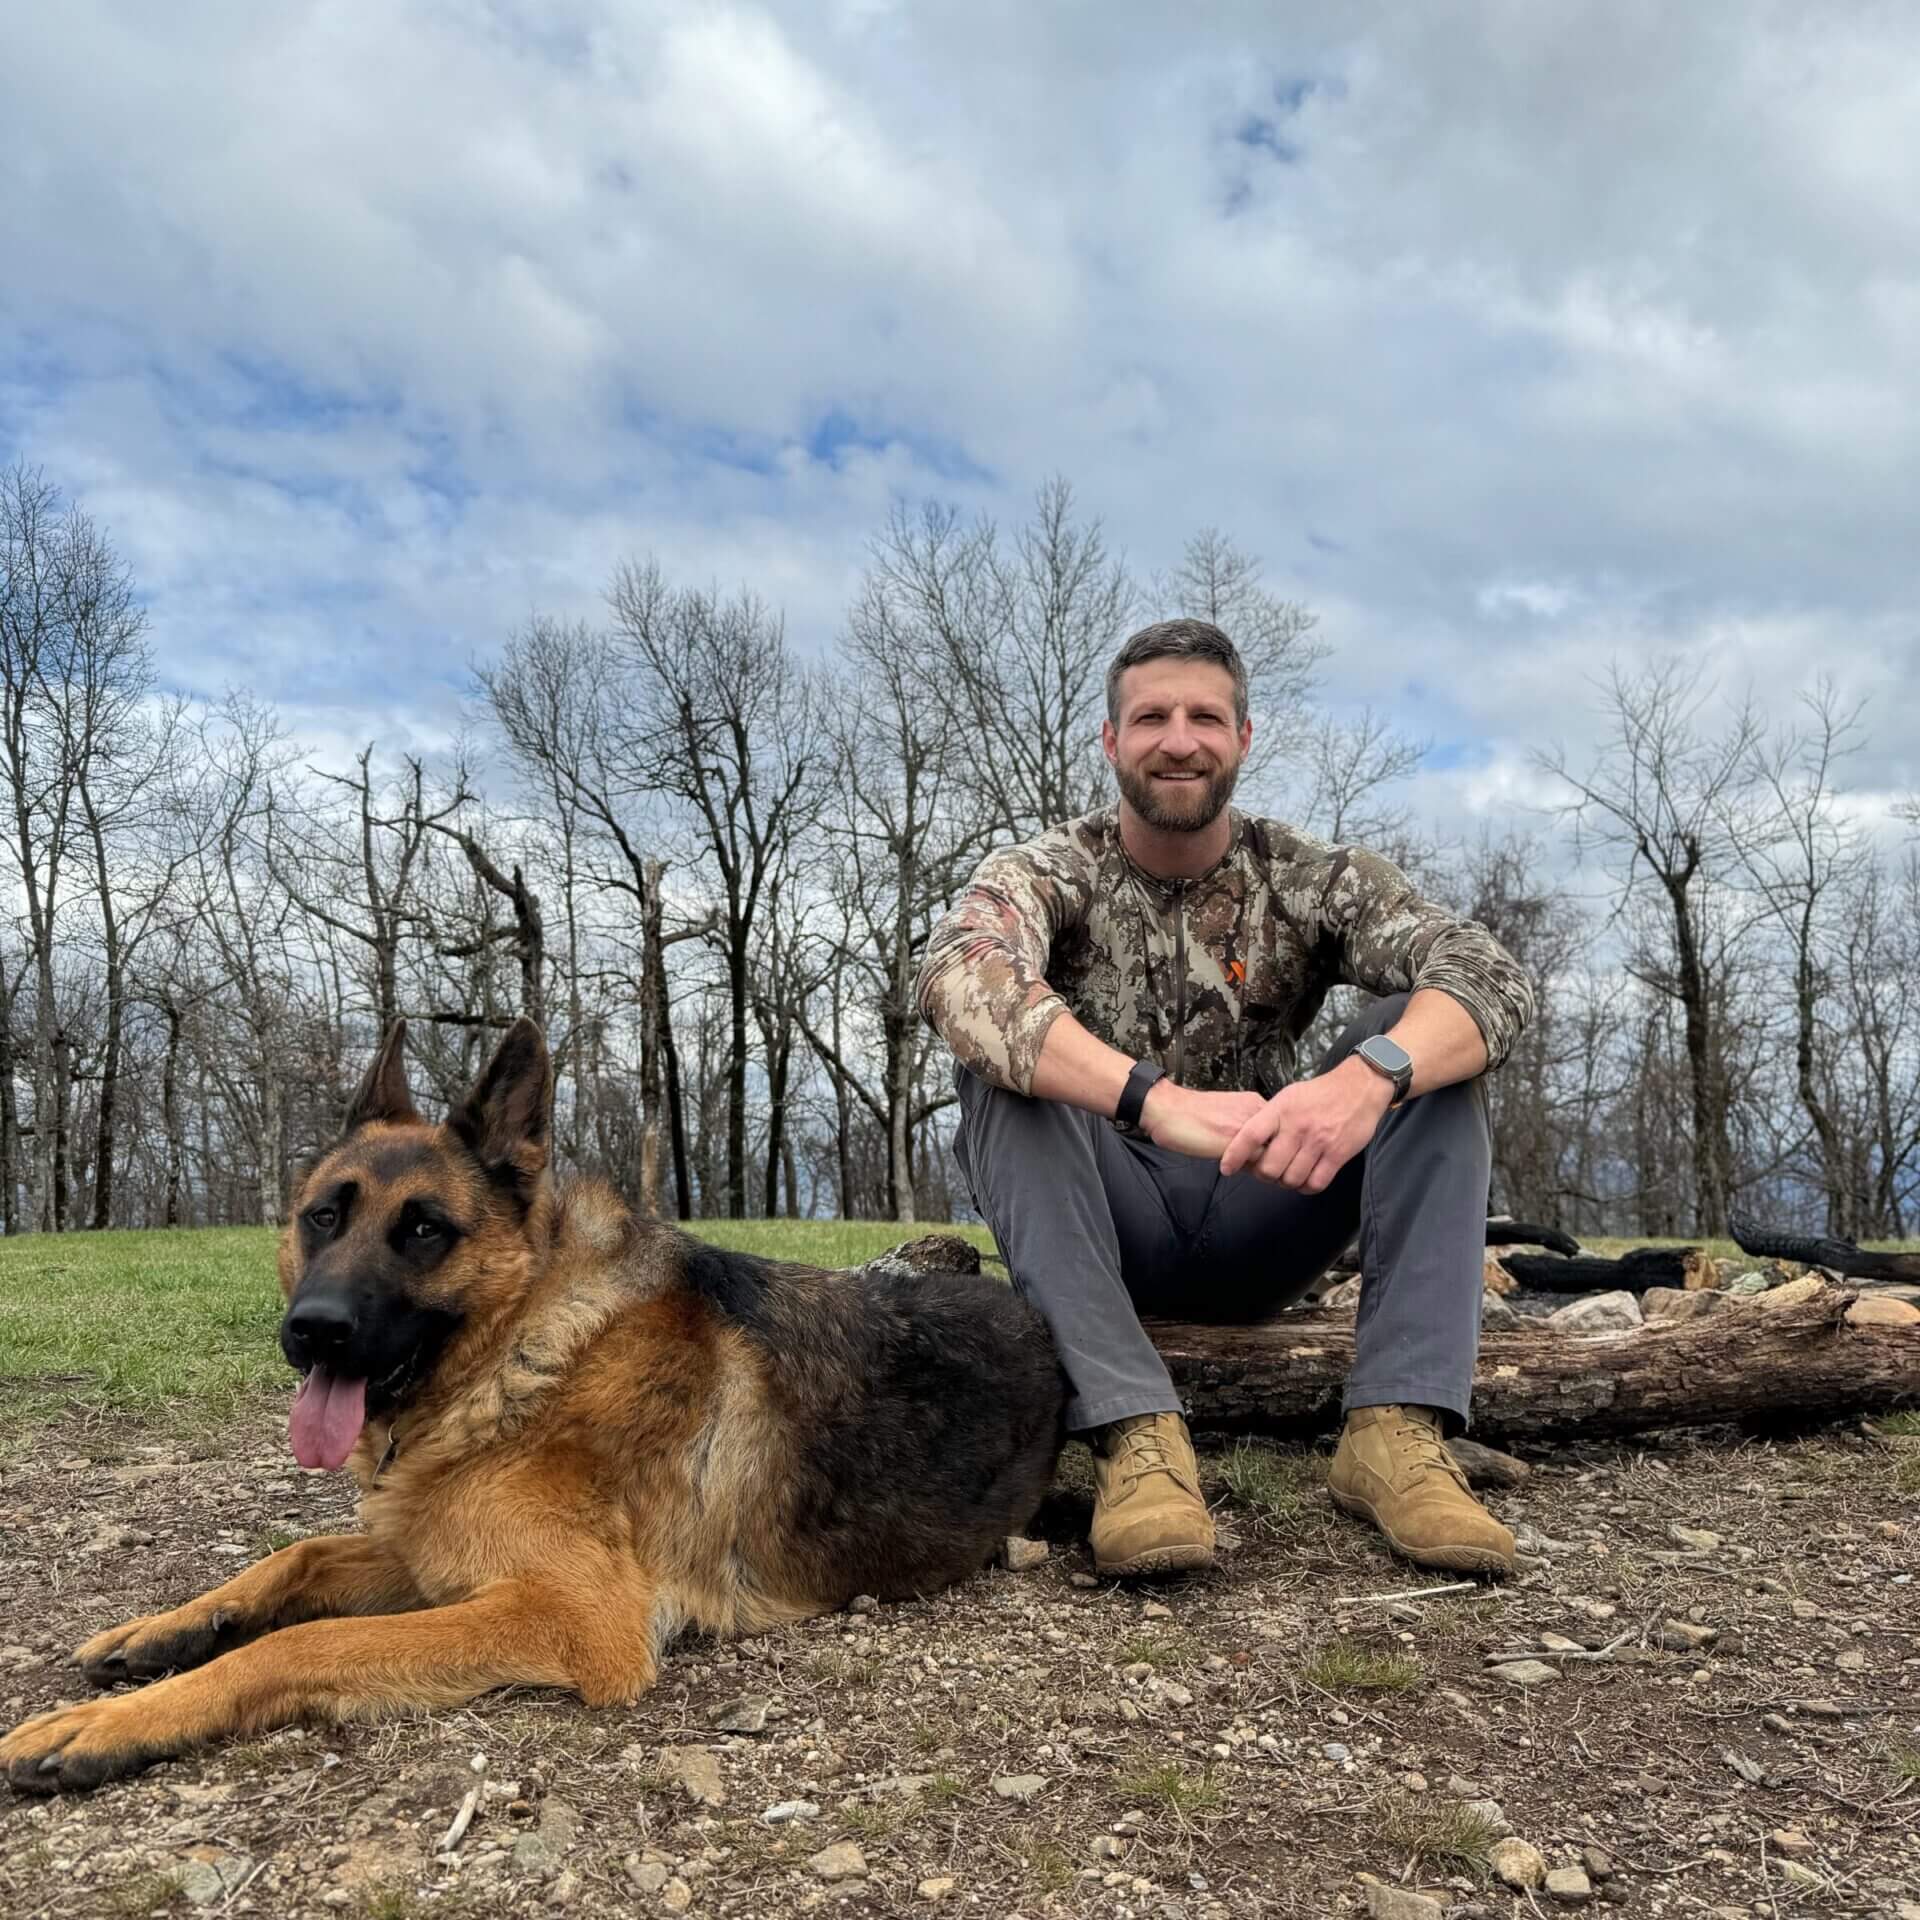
(1512, 337)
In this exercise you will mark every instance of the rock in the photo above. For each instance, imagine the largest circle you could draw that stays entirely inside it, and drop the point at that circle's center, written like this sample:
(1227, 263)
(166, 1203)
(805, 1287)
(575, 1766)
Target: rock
(1790, 1841)
(1154, 1610)
(1796, 1875)
(218, 1876)
(540, 1851)
(940, 1889)
(1343, 1298)
(1693, 1539)
(1494, 1278)
(1796, 1293)
(1517, 1863)
(565, 1890)
(1851, 1660)
(841, 1861)
(1569, 1885)
(677, 1896)
(1672, 1304)
(1486, 1466)
(863, 1603)
(1492, 1815)
(1397, 1903)
(1598, 1862)
(1495, 1315)
(1018, 1554)
(1559, 1643)
(697, 1771)
(1598, 1313)
(1525, 1673)
(1084, 1581)
(1749, 1284)
(791, 1810)
(748, 1714)
(1682, 1636)
(1019, 1786)
(1872, 1311)
(650, 1877)
(1336, 1753)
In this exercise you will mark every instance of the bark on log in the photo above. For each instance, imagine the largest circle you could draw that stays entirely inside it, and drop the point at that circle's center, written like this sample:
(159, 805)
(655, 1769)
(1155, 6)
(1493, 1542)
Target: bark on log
(1815, 1250)
(1804, 1360)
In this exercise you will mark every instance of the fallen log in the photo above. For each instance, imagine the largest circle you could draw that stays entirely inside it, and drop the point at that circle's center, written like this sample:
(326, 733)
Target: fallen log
(1780, 1356)
(1804, 1360)
(1817, 1250)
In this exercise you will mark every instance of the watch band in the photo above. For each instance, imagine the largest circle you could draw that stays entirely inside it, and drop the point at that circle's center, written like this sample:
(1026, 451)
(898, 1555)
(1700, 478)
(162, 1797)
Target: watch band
(1133, 1096)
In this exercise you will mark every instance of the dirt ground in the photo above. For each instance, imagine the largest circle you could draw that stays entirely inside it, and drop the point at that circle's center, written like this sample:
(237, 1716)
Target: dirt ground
(1263, 1740)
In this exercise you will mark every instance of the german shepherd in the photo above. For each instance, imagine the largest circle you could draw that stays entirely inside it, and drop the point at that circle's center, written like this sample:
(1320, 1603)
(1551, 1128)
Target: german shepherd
(575, 1434)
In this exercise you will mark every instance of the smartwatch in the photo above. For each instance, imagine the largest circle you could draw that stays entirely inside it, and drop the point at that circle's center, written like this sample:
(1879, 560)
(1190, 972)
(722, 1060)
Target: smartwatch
(1389, 1059)
(1133, 1096)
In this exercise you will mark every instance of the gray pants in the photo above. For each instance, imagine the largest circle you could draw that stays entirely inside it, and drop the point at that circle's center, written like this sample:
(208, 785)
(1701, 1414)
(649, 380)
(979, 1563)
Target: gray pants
(1098, 1227)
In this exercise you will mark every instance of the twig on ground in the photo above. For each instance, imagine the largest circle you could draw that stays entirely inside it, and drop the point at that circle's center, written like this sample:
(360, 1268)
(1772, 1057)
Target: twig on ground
(1412, 1593)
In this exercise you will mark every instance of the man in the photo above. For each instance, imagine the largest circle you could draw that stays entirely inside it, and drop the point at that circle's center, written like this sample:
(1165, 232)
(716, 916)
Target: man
(1124, 997)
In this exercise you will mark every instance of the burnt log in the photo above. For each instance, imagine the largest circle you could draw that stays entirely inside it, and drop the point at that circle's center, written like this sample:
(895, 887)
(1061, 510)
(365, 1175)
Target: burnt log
(1817, 1250)
(1503, 1232)
(1804, 1360)
(1634, 1272)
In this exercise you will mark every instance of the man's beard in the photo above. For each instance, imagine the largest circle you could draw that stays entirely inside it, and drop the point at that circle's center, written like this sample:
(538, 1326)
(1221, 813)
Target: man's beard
(1187, 808)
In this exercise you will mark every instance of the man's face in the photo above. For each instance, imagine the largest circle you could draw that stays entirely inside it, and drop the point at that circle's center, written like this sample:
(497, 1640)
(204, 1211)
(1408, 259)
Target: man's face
(1177, 750)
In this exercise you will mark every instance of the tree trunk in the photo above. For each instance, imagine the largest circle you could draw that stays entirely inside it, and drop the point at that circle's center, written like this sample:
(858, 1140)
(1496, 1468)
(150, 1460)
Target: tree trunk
(272, 1120)
(62, 1065)
(170, 1117)
(736, 1071)
(105, 1143)
(9, 1119)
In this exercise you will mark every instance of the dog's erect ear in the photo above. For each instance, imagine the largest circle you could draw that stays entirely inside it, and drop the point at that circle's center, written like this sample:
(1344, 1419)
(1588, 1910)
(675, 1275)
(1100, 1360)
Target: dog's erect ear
(503, 1121)
(383, 1093)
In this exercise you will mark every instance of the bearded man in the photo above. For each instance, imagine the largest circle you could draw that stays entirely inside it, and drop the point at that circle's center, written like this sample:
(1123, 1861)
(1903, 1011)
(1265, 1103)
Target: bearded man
(1124, 998)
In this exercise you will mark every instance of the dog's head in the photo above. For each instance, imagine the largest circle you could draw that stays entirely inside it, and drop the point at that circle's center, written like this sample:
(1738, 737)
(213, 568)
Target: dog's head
(404, 1233)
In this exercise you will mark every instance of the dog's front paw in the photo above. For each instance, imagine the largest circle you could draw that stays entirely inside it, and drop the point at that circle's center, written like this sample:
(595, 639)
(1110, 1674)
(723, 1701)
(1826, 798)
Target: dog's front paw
(160, 1643)
(72, 1749)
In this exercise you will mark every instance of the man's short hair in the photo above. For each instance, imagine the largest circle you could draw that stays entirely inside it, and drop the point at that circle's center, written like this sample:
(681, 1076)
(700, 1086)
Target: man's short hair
(1179, 640)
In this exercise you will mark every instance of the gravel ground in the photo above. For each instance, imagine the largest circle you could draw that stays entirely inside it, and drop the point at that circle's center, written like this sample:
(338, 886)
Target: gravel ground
(1270, 1739)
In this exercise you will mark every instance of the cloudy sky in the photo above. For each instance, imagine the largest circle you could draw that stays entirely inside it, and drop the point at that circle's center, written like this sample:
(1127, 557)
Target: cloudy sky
(1513, 336)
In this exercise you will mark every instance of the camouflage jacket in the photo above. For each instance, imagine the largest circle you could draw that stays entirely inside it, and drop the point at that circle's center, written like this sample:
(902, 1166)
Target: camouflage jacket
(1215, 977)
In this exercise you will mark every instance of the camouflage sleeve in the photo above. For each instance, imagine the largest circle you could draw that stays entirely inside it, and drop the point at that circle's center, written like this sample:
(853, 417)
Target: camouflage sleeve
(1391, 940)
(983, 985)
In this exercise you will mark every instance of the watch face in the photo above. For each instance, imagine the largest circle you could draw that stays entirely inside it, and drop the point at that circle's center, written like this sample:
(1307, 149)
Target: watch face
(1387, 1054)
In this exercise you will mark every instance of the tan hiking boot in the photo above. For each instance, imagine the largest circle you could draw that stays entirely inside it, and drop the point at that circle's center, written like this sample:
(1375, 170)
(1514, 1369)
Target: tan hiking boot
(1393, 1468)
(1148, 1516)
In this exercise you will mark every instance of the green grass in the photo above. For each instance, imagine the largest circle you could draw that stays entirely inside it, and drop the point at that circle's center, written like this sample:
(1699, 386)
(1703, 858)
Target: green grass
(1274, 1484)
(1345, 1666)
(1904, 1763)
(1439, 1833)
(186, 1320)
(1900, 1426)
(1170, 1786)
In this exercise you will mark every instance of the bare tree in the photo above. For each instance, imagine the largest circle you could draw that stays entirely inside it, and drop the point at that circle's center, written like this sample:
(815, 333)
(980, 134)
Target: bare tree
(724, 725)
(1021, 631)
(1799, 853)
(1655, 804)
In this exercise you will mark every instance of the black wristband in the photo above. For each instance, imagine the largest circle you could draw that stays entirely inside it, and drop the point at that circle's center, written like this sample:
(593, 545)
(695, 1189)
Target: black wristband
(1133, 1096)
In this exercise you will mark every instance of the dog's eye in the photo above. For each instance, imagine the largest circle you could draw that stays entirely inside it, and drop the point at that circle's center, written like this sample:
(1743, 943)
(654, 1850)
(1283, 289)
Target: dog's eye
(427, 1230)
(322, 1219)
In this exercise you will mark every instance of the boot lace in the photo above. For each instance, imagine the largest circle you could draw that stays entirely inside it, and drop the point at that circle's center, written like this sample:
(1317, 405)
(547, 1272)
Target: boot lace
(1140, 1448)
(1425, 1448)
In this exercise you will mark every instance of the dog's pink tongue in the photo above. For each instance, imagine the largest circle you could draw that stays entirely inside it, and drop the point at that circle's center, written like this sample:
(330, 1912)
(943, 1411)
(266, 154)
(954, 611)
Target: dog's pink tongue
(327, 1416)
